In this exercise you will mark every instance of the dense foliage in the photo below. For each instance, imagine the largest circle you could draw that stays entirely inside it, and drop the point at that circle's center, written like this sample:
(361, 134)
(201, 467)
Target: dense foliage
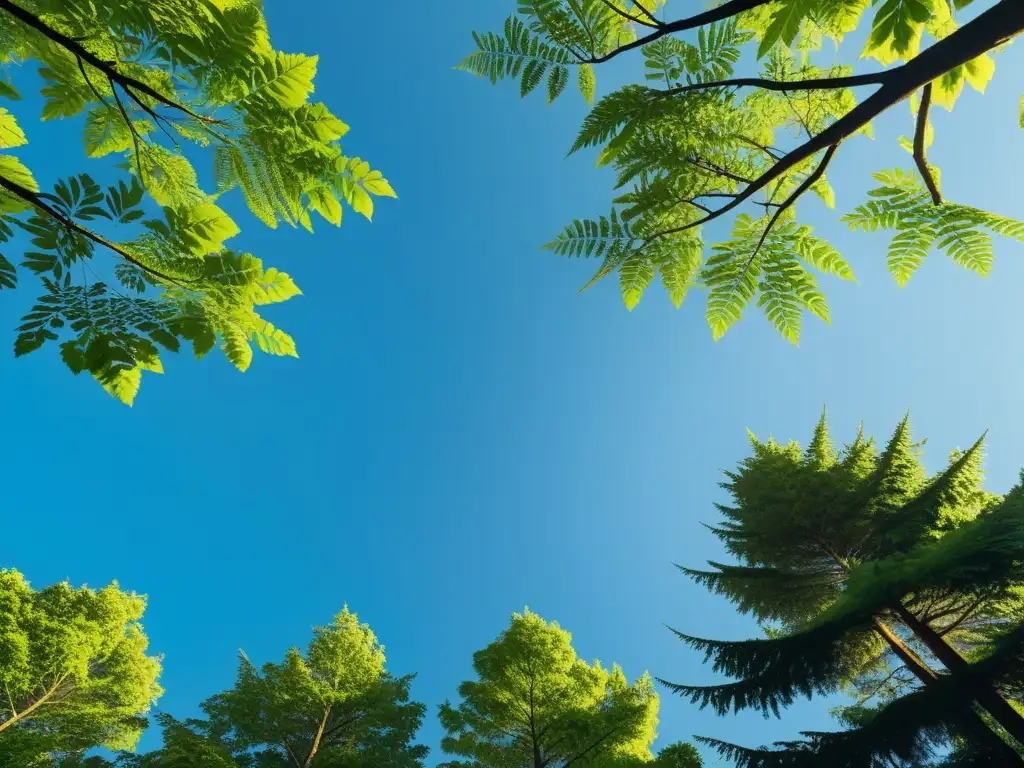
(159, 83)
(333, 707)
(874, 577)
(692, 144)
(534, 703)
(74, 673)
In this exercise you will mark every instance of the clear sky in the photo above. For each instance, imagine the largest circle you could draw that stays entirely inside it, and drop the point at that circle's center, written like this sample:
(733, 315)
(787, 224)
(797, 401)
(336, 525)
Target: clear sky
(463, 436)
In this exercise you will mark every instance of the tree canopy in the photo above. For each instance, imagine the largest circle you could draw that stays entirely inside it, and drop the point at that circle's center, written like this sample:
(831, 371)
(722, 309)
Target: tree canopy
(535, 703)
(741, 120)
(74, 672)
(142, 264)
(335, 706)
(863, 567)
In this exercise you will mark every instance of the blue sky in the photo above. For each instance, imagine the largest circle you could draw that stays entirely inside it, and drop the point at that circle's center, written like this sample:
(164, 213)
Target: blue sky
(463, 435)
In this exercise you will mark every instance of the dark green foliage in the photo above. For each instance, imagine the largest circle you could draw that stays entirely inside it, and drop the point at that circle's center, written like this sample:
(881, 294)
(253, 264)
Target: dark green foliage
(333, 707)
(835, 549)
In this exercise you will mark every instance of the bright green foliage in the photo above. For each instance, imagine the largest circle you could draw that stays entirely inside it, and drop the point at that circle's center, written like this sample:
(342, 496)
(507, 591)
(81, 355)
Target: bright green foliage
(74, 673)
(842, 553)
(903, 204)
(534, 703)
(690, 145)
(333, 707)
(159, 83)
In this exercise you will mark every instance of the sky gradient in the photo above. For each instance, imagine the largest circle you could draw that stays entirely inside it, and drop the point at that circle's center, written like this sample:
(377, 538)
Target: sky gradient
(463, 435)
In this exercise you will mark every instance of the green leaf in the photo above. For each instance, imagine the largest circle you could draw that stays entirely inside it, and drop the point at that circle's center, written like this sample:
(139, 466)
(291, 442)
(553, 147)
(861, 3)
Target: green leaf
(274, 287)
(785, 24)
(317, 121)
(586, 82)
(274, 341)
(908, 250)
(236, 347)
(323, 201)
(361, 202)
(375, 183)
(897, 28)
(203, 228)
(635, 274)
(286, 78)
(169, 178)
(12, 169)
(558, 78)
(11, 134)
(8, 275)
(106, 132)
(9, 91)
(1021, 118)
(124, 385)
(678, 273)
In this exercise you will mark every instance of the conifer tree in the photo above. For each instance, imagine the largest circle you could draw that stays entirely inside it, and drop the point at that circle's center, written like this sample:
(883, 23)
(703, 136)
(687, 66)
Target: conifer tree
(74, 672)
(141, 265)
(860, 561)
(699, 141)
(535, 703)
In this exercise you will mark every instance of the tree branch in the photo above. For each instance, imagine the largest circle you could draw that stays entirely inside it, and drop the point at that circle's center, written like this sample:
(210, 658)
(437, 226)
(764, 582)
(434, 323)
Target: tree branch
(919, 149)
(811, 84)
(36, 201)
(654, 19)
(31, 707)
(319, 736)
(612, 6)
(992, 28)
(804, 186)
(595, 745)
(724, 11)
(107, 68)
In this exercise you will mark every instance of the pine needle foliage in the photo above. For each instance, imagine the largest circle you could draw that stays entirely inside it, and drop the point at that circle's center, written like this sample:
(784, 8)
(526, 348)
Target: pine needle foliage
(140, 267)
(698, 140)
(862, 567)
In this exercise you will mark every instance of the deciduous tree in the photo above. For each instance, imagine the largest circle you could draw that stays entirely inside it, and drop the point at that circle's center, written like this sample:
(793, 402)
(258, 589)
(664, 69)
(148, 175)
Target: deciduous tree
(535, 703)
(131, 268)
(699, 141)
(74, 672)
(335, 706)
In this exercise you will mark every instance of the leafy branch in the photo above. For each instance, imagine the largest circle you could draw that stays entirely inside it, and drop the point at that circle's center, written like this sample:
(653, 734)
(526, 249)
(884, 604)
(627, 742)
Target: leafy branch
(35, 200)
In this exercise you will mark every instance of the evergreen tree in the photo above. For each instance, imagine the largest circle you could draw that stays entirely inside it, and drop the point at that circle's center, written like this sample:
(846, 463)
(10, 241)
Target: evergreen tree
(160, 82)
(698, 141)
(860, 562)
(333, 707)
(74, 673)
(534, 703)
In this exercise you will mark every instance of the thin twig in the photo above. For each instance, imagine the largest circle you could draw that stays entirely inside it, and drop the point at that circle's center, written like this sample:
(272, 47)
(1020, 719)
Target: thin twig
(654, 19)
(919, 149)
(131, 128)
(107, 68)
(612, 6)
(804, 186)
(36, 201)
